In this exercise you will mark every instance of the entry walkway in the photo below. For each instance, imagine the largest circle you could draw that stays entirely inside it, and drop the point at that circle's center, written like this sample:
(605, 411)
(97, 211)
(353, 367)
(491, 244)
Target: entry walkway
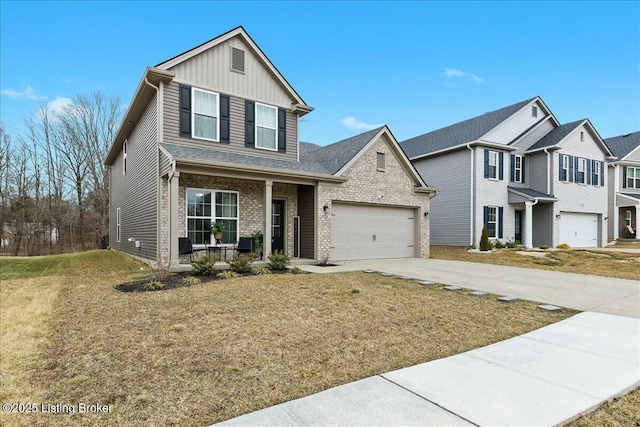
(546, 377)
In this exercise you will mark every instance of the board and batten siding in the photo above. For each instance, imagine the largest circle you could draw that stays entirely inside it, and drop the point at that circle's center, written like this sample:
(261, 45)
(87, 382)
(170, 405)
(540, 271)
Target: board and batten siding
(136, 192)
(542, 230)
(536, 172)
(450, 211)
(212, 69)
(514, 126)
(236, 128)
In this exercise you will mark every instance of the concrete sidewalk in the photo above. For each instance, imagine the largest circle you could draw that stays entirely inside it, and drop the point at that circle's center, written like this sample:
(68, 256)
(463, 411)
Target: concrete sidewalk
(578, 291)
(546, 377)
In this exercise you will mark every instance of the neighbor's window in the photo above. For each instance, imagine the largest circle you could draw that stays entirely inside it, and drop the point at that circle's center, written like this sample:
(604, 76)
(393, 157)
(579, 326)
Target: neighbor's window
(207, 206)
(266, 127)
(582, 171)
(118, 219)
(380, 161)
(124, 158)
(493, 164)
(205, 114)
(517, 169)
(633, 177)
(492, 220)
(627, 218)
(565, 168)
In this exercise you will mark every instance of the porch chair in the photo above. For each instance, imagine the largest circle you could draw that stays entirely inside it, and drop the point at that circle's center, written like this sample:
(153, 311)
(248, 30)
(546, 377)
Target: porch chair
(185, 247)
(246, 245)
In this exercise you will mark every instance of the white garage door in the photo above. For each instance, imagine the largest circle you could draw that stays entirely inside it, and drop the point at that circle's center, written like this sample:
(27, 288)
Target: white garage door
(368, 232)
(579, 230)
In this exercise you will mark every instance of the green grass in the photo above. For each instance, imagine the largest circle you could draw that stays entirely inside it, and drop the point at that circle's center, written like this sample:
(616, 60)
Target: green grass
(26, 268)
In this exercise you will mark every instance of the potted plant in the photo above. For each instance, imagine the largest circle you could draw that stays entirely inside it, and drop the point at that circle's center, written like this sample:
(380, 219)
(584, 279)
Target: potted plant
(216, 229)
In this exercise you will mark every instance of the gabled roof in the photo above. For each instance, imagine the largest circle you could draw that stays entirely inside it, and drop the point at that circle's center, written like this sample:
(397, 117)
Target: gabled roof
(622, 145)
(557, 135)
(530, 193)
(460, 133)
(242, 33)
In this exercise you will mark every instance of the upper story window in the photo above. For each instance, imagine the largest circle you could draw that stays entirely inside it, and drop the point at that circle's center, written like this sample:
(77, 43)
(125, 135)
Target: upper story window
(493, 164)
(632, 179)
(582, 171)
(266, 127)
(517, 169)
(124, 159)
(596, 173)
(564, 168)
(380, 162)
(534, 111)
(205, 114)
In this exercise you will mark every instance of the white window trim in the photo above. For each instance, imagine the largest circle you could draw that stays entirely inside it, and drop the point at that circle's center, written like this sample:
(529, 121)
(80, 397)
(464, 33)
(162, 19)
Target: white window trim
(582, 168)
(596, 173)
(124, 158)
(118, 225)
(565, 167)
(495, 222)
(497, 162)
(635, 179)
(193, 114)
(213, 217)
(266, 127)
(517, 169)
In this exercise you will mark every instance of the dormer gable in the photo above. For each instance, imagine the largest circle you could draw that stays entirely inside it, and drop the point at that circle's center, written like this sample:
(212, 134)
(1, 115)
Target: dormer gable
(531, 115)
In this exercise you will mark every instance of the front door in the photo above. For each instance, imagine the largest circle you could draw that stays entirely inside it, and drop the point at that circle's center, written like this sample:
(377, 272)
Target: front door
(518, 227)
(277, 225)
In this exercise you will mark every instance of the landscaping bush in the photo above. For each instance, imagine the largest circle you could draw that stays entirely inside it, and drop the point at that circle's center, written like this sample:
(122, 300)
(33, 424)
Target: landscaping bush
(241, 263)
(228, 274)
(278, 260)
(204, 265)
(563, 246)
(511, 244)
(297, 270)
(544, 247)
(191, 280)
(485, 245)
(498, 244)
(261, 270)
(154, 285)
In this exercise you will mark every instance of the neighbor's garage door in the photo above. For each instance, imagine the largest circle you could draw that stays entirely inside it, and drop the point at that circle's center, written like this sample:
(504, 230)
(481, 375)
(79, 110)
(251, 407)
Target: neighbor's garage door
(368, 232)
(579, 230)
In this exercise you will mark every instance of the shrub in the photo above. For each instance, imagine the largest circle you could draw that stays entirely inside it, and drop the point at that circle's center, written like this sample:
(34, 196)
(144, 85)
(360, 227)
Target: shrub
(544, 247)
(297, 270)
(511, 244)
(484, 240)
(228, 274)
(563, 246)
(261, 270)
(191, 280)
(278, 260)
(204, 265)
(153, 285)
(241, 263)
(498, 244)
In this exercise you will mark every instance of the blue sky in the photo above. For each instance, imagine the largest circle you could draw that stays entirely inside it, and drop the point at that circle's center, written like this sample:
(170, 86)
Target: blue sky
(415, 66)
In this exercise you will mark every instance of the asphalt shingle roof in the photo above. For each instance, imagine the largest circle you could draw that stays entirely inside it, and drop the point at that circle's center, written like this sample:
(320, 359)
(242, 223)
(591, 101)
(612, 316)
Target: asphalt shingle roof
(556, 135)
(460, 133)
(622, 145)
(531, 192)
(635, 196)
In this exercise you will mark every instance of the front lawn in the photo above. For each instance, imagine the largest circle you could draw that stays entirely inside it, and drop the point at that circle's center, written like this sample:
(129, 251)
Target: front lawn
(209, 352)
(599, 263)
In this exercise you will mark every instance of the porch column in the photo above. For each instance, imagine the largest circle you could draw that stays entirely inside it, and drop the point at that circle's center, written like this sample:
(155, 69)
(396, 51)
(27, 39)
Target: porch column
(268, 191)
(637, 222)
(173, 218)
(528, 225)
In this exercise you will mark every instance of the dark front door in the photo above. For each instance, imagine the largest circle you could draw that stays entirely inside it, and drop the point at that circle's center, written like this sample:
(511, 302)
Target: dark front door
(518, 226)
(277, 225)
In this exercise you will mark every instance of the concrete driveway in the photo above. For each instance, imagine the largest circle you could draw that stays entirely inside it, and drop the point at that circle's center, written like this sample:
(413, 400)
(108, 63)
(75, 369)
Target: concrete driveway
(578, 291)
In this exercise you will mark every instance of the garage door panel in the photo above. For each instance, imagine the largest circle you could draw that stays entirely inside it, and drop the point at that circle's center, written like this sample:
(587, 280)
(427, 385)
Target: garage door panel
(579, 230)
(369, 232)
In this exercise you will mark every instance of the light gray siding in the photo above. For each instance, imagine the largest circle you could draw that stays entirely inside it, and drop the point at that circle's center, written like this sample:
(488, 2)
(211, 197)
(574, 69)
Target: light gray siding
(236, 128)
(514, 126)
(536, 173)
(450, 210)
(165, 164)
(634, 155)
(534, 136)
(136, 191)
(542, 231)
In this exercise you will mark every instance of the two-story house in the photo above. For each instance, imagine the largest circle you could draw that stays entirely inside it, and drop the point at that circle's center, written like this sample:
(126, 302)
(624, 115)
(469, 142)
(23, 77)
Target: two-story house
(212, 135)
(624, 186)
(518, 172)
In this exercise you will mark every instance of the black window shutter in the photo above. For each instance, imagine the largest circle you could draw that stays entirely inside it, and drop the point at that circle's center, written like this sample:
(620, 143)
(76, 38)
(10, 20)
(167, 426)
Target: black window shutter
(501, 166)
(250, 124)
(522, 169)
(224, 119)
(560, 168)
(624, 177)
(486, 163)
(282, 130)
(486, 216)
(589, 169)
(575, 168)
(571, 169)
(500, 215)
(185, 111)
(513, 168)
(602, 174)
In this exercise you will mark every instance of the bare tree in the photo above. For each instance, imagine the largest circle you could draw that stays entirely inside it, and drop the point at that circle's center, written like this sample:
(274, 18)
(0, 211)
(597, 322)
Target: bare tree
(5, 183)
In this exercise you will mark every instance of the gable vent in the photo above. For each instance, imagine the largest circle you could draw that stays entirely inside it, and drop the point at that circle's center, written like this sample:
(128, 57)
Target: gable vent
(380, 161)
(237, 59)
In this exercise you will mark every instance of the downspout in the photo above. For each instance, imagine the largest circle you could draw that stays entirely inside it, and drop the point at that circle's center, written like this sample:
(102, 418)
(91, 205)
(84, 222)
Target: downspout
(158, 189)
(472, 200)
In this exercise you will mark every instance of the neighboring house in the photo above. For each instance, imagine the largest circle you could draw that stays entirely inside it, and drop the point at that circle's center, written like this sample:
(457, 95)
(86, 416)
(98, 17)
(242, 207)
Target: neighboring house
(518, 172)
(212, 135)
(624, 186)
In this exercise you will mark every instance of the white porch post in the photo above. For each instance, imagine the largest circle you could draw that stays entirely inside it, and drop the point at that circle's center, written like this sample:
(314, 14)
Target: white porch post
(616, 209)
(637, 222)
(528, 225)
(173, 218)
(268, 191)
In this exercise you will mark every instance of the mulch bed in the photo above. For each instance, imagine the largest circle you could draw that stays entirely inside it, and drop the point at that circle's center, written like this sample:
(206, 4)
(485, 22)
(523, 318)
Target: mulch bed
(174, 281)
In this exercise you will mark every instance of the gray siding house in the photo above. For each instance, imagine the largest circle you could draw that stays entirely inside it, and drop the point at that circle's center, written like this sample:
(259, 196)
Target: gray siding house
(212, 135)
(624, 186)
(518, 172)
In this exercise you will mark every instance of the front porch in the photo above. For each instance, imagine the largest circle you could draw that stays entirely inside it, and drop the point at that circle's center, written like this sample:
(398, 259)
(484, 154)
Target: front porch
(534, 216)
(627, 220)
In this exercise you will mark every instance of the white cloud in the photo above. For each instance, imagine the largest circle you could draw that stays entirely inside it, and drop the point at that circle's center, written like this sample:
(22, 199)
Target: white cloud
(451, 73)
(352, 123)
(57, 105)
(28, 92)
